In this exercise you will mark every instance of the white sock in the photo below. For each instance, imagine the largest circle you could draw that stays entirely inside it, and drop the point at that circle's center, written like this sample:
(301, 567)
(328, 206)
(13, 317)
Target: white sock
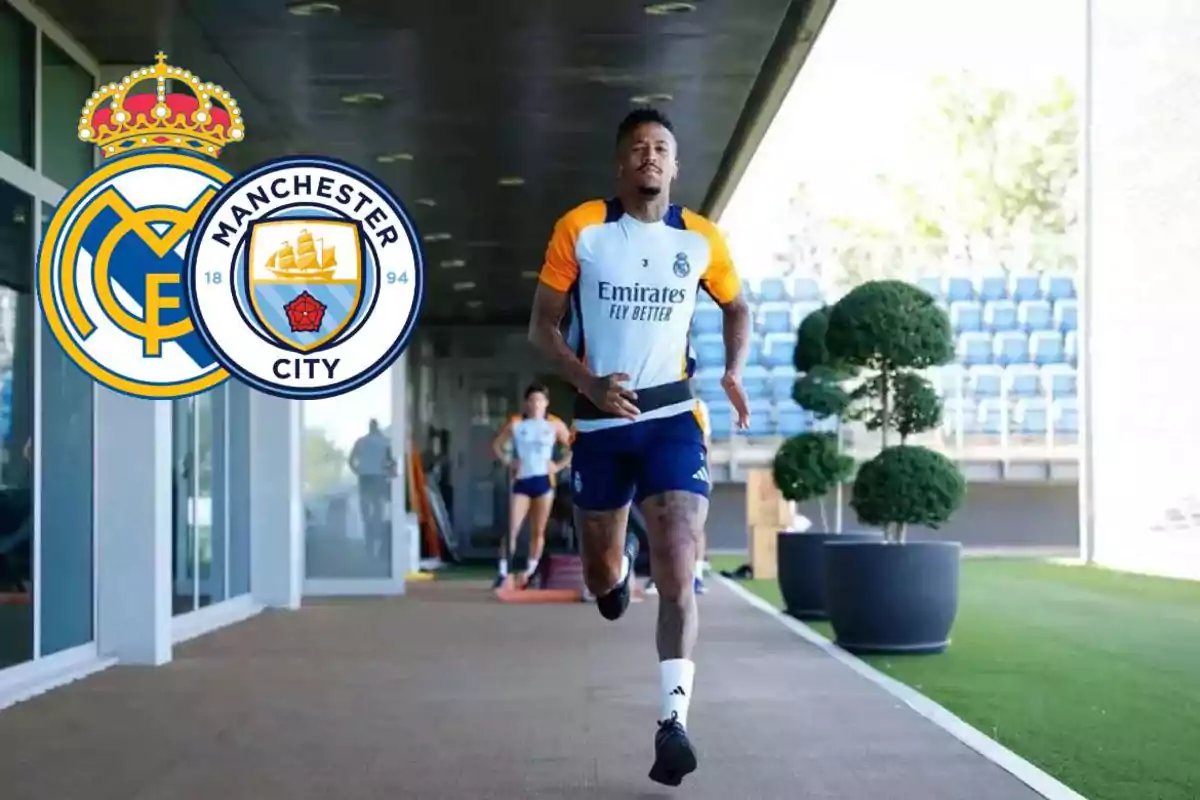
(531, 567)
(504, 568)
(676, 678)
(700, 568)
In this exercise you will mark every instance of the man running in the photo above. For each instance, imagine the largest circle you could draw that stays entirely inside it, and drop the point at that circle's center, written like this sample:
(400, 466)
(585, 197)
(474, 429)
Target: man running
(705, 421)
(533, 436)
(629, 268)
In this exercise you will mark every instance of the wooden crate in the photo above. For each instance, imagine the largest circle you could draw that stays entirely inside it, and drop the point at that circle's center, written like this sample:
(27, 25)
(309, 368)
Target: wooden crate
(764, 541)
(764, 504)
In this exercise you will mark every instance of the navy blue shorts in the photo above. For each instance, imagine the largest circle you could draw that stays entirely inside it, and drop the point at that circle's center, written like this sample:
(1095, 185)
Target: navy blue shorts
(611, 467)
(534, 486)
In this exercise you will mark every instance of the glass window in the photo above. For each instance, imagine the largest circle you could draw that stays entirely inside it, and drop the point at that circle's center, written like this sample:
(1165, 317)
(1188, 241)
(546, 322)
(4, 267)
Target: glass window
(65, 87)
(16, 425)
(65, 459)
(199, 544)
(348, 469)
(17, 75)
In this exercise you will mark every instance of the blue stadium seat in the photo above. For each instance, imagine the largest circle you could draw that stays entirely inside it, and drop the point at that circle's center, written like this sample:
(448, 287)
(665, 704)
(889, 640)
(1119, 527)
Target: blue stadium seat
(707, 318)
(934, 284)
(991, 416)
(708, 386)
(782, 381)
(1000, 315)
(959, 289)
(993, 287)
(1066, 416)
(772, 290)
(1034, 315)
(951, 380)
(1023, 380)
(985, 381)
(1011, 347)
(806, 290)
(1025, 287)
(1060, 381)
(762, 422)
(1030, 417)
(793, 420)
(756, 351)
(779, 349)
(960, 415)
(966, 315)
(802, 309)
(1066, 315)
(756, 382)
(974, 347)
(1058, 287)
(710, 351)
(720, 415)
(776, 317)
(1047, 347)
(1071, 348)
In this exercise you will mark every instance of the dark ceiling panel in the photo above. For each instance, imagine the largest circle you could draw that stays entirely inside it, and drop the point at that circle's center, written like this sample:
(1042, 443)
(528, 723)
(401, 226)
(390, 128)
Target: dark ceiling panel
(475, 90)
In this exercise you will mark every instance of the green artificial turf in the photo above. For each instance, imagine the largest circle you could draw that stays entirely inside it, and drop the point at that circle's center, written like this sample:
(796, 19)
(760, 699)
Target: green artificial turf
(1090, 674)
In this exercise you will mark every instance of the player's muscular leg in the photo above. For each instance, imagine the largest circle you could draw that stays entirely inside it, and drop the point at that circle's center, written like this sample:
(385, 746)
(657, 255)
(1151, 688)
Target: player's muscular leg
(675, 522)
(601, 545)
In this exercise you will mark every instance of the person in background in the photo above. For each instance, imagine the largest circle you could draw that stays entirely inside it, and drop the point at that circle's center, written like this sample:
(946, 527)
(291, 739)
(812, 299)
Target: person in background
(533, 436)
(372, 463)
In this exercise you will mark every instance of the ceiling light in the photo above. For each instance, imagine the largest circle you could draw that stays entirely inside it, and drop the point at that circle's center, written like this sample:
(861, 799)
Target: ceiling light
(511, 180)
(362, 98)
(530, 273)
(426, 201)
(436, 237)
(663, 9)
(391, 158)
(647, 99)
(305, 9)
(464, 286)
(453, 263)
(474, 303)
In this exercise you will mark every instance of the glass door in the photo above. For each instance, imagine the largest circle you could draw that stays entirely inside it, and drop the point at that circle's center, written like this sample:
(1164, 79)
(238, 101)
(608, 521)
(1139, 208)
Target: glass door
(199, 545)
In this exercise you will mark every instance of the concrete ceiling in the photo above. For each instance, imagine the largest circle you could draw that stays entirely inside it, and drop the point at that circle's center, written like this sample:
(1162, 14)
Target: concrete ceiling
(474, 92)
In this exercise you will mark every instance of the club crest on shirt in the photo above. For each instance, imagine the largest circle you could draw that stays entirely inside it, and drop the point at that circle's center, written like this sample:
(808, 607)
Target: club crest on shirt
(682, 267)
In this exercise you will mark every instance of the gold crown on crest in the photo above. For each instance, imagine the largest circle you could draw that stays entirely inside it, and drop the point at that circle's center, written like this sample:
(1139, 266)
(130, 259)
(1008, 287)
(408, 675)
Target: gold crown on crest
(118, 122)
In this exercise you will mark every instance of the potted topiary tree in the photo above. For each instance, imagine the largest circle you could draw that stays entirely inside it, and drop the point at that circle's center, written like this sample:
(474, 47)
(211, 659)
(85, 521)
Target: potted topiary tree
(808, 467)
(895, 595)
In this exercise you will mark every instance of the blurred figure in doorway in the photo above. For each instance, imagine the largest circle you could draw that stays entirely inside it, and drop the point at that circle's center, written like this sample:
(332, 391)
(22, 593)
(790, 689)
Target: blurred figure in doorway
(372, 462)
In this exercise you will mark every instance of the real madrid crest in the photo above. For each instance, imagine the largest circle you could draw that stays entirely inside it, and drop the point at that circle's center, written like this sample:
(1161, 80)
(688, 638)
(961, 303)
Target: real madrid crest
(682, 267)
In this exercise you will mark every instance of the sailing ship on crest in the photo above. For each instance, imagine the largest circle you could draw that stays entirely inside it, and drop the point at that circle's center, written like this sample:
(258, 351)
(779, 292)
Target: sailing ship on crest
(310, 261)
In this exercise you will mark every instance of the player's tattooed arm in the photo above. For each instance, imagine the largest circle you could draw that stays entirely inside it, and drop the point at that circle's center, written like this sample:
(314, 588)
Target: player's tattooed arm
(545, 332)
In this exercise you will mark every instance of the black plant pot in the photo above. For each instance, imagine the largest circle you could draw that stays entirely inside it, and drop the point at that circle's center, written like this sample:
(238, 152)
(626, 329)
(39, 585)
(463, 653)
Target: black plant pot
(892, 598)
(802, 569)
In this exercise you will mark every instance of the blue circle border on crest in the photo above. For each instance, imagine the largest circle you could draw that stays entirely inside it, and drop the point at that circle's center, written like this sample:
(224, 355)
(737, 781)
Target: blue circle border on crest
(337, 165)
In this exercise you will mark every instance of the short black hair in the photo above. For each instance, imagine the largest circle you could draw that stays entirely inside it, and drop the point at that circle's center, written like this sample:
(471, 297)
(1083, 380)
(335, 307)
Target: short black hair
(537, 388)
(642, 116)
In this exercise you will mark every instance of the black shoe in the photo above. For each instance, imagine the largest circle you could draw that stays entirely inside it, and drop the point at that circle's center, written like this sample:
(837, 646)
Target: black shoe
(613, 604)
(496, 584)
(673, 754)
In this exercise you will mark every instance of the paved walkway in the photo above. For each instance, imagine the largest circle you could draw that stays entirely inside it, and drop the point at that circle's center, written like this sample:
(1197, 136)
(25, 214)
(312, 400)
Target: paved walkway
(446, 694)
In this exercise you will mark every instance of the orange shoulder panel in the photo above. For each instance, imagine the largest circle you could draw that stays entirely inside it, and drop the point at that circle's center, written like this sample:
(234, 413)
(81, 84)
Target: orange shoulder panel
(719, 278)
(561, 268)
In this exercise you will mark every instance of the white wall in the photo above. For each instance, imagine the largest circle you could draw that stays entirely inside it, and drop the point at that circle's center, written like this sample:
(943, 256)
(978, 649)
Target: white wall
(1143, 285)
